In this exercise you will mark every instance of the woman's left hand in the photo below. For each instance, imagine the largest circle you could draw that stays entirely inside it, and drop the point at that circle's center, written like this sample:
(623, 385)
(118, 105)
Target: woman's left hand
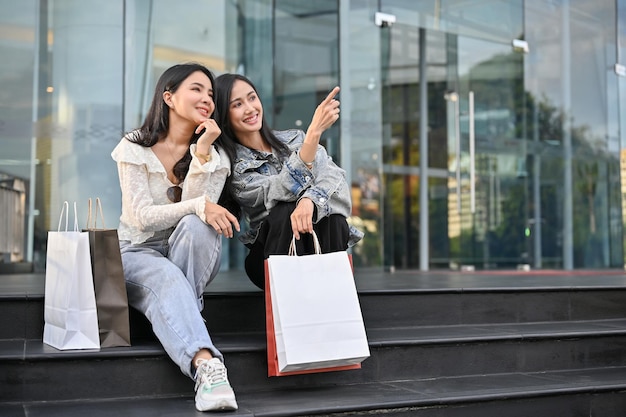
(302, 218)
(220, 219)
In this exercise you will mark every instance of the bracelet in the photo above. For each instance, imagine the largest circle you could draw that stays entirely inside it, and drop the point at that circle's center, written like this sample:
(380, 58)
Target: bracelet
(203, 157)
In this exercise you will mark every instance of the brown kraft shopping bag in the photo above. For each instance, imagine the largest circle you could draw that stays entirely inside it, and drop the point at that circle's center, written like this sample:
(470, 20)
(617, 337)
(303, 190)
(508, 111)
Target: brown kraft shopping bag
(109, 283)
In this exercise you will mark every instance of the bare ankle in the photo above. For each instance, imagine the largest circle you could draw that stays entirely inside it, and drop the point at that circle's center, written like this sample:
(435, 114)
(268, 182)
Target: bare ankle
(203, 354)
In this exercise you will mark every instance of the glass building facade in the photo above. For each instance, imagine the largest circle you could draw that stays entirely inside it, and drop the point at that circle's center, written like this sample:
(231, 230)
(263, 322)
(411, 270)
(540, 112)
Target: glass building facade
(475, 134)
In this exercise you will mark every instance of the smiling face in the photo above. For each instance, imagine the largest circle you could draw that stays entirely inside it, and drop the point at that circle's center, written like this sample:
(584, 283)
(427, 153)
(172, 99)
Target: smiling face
(245, 110)
(192, 101)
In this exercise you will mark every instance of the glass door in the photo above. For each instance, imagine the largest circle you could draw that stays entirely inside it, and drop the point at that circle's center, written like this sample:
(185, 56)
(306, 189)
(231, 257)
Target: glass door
(477, 197)
(488, 181)
(455, 179)
(414, 131)
(401, 147)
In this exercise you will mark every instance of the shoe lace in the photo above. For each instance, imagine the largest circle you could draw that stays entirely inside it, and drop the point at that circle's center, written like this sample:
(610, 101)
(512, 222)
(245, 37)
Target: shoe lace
(211, 374)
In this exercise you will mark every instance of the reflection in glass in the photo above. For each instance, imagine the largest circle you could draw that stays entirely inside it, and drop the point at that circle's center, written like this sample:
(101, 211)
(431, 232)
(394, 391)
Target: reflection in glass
(549, 144)
(18, 77)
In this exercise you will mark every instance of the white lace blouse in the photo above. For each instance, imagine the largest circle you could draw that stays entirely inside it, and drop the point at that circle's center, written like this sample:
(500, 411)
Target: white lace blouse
(144, 183)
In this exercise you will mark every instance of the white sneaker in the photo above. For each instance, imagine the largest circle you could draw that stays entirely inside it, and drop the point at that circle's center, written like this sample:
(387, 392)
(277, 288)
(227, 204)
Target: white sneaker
(213, 392)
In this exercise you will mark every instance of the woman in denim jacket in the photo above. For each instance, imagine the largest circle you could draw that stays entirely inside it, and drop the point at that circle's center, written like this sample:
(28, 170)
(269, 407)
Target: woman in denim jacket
(284, 181)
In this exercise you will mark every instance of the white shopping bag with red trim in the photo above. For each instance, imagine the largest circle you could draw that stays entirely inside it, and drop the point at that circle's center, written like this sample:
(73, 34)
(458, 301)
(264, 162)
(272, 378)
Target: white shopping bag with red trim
(314, 319)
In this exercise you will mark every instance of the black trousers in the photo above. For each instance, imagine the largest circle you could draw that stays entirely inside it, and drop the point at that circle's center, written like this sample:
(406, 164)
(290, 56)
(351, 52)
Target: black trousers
(275, 237)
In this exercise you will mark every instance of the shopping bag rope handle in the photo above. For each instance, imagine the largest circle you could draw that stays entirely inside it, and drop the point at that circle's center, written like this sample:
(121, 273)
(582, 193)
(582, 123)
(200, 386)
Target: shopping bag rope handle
(95, 216)
(316, 244)
(66, 210)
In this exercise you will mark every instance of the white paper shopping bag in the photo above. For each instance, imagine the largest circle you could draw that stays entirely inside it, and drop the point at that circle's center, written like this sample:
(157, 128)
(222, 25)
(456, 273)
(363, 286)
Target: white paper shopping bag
(317, 316)
(70, 315)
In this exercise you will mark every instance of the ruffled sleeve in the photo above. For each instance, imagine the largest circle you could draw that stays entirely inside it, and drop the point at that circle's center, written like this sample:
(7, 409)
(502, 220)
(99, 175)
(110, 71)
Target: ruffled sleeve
(206, 179)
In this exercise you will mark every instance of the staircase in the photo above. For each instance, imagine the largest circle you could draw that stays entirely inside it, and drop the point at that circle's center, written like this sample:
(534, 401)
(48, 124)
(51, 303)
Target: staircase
(442, 344)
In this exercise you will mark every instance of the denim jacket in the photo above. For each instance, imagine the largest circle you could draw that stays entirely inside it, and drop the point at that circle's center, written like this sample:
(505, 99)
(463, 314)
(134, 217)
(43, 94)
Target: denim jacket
(261, 180)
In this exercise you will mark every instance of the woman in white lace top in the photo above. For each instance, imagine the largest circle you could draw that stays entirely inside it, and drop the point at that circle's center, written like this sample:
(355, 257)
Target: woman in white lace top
(172, 174)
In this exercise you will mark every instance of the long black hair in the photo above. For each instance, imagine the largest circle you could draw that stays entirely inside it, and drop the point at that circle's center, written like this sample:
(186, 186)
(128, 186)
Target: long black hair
(223, 91)
(223, 88)
(157, 121)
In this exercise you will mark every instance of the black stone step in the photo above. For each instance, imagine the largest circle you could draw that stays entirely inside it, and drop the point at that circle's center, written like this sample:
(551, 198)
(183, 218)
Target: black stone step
(442, 345)
(597, 392)
(231, 302)
(396, 353)
(10, 268)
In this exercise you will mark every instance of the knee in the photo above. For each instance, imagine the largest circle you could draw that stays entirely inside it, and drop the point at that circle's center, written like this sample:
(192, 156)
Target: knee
(281, 211)
(192, 226)
(194, 233)
(191, 222)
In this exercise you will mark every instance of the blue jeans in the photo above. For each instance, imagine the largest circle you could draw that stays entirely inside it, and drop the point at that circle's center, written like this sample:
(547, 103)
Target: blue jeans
(165, 280)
